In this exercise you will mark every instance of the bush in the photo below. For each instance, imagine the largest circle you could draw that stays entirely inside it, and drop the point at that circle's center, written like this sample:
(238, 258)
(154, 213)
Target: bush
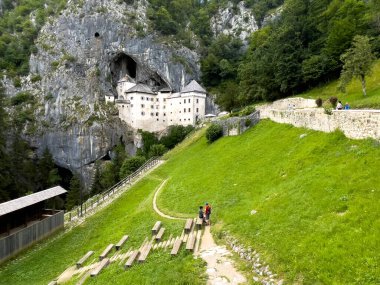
(319, 102)
(157, 150)
(247, 111)
(333, 100)
(36, 78)
(130, 165)
(247, 122)
(214, 132)
(22, 97)
(175, 135)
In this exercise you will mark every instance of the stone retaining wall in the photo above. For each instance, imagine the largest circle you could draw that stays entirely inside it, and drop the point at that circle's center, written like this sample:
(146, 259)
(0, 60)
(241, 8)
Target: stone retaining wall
(237, 125)
(355, 124)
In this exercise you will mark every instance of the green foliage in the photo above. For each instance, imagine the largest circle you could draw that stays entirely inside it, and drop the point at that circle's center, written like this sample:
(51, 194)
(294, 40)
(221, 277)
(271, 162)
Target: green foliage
(21, 98)
(130, 165)
(47, 172)
(149, 139)
(73, 195)
(358, 62)
(176, 134)
(36, 78)
(157, 150)
(18, 32)
(214, 132)
(319, 102)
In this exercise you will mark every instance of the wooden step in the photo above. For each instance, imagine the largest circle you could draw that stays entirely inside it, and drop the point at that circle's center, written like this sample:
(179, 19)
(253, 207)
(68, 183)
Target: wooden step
(188, 225)
(131, 259)
(121, 242)
(84, 258)
(99, 268)
(191, 242)
(160, 234)
(106, 252)
(176, 247)
(156, 227)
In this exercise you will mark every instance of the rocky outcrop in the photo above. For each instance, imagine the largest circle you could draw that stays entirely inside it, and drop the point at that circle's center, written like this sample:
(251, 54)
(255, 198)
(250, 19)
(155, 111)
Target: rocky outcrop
(237, 21)
(81, 54)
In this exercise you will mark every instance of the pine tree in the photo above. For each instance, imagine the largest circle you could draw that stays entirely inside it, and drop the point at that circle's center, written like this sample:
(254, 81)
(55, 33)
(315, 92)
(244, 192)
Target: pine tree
(73, 196)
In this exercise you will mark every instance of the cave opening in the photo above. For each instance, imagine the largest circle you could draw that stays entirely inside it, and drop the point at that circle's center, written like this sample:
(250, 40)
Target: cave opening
(66, 175)
(122, 65)
(97, 35)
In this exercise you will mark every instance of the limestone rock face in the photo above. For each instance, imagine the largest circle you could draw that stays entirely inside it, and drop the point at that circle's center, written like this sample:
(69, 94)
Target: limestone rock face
(238, 22)
(81, 55)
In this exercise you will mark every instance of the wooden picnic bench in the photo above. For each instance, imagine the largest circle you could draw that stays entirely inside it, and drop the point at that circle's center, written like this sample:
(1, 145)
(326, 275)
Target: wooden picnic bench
(121, 242)
(106, 252)
(188, 225)
(191, 242)
(131, 258)
(160, 234)
(84, 258)
(145, 252)
(156, 227)
(176, 247)
(102, 264)
(199, 222)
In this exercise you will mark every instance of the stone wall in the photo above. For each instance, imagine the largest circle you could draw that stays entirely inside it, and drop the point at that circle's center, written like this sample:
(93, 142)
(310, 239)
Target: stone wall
(355, 124)
(237, 125)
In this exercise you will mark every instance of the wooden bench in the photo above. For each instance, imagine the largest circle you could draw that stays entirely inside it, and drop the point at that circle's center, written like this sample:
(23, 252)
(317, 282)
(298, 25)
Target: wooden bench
(131, 259)
(106, 252)
(84, 258)
(145, 252)
(199, 222)
(121, 242)
(191, 242)
(102, 264)
(160, 234)
(176, 247)
(188, 225)
(156, 227)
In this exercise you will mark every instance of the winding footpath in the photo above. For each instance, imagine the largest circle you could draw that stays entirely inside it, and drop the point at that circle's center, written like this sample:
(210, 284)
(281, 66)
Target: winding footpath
(220, 268)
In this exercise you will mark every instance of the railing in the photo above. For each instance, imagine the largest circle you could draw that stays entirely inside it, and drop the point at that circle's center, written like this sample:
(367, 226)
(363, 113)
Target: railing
(92, 203)
(15, 242)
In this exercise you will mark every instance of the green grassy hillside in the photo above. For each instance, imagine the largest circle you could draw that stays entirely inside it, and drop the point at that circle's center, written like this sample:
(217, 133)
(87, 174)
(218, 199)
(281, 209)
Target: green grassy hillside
(316, 197)
(354, 95)
(131, 214)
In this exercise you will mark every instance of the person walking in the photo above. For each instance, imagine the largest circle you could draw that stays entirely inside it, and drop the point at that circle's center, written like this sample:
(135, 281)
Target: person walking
(208, 213)
(201, 214)
(339, 106)
(347, 106)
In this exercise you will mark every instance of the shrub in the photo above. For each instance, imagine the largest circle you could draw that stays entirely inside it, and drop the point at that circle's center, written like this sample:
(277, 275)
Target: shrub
(333, 100)
(17, 82)
(22, 97)
(157, 150)
(175, 135)
(130, 165)
(247, 122)
(319, 102)
(247, 111)
(36, 78)
(214, 132)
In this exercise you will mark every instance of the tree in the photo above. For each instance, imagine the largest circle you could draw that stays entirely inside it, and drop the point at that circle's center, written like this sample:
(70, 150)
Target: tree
(157, 150)
(47, 173)
(97, 184)
(5, 175)
(130, 165)
(358, 62)
(73, 196)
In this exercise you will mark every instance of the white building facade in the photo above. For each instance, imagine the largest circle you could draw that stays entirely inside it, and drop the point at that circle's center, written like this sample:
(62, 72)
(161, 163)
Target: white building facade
(141, 108)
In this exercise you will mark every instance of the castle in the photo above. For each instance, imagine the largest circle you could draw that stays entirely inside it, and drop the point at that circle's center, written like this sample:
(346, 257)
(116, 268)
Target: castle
(142, 108)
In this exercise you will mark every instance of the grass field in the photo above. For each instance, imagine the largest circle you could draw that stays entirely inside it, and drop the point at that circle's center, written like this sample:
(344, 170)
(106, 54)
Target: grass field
(353, 95)
(316, 197)
(131, 214)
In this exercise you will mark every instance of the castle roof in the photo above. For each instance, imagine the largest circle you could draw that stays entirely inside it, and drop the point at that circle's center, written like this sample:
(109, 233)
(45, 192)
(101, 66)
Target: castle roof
(140, 88)
(166, 89)
(193, 86)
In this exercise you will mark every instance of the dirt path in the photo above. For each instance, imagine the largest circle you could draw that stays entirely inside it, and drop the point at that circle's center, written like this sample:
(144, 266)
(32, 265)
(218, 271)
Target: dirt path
(220, 267)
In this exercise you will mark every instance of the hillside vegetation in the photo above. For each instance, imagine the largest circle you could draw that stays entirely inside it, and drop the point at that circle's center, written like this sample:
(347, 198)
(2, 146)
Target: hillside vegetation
(354, 95)
(316, 198)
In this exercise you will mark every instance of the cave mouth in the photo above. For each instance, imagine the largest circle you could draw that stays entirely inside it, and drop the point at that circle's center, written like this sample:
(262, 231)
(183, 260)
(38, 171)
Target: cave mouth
(97, 35)
(65, 175)
(122, 65)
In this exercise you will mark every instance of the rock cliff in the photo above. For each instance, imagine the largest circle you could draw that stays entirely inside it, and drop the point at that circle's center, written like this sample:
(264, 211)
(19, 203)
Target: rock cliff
(81, 55)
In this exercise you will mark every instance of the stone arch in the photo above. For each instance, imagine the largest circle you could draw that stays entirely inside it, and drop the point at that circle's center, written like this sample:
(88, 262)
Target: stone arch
(121, 65)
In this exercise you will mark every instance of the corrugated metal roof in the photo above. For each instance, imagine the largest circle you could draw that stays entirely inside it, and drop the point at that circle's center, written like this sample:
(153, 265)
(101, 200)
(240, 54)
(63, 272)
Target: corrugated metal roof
(140, 88)
(193, 86)
(23, 202)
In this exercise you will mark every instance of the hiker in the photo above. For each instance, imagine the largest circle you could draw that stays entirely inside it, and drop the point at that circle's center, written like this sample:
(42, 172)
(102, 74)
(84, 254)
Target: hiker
(339, 106)
(201, 214)
(347, 106)
(208, 213)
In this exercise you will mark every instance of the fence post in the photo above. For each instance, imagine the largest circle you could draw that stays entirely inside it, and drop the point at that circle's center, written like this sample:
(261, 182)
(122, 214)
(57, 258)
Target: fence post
(85, 208)
(70, 216)
(78, 212)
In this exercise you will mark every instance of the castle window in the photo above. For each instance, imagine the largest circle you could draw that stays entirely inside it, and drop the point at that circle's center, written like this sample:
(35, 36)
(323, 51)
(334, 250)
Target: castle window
(131, 105)
(189, 110)
(142, 113)
(164, 114)
(197, 100)
(164, 107)
(142, 106)
(142, 98)
(184, 100)
(157, 120)
(171, 120)
(157, 100)
(131, 98)
(151, 106)
(197, 110)
(151, 99)
(179, 111)
(122, 106)
(147, 98)
(163, 120)
(189, 119)
(156, 114)
(151, 114)
(184, 110)
(180, 120)
(164, 100)
(189, 100)
(157, 107)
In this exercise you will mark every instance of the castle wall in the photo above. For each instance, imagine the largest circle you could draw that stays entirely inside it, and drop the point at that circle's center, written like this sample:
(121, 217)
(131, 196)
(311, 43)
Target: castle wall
(355, 124)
